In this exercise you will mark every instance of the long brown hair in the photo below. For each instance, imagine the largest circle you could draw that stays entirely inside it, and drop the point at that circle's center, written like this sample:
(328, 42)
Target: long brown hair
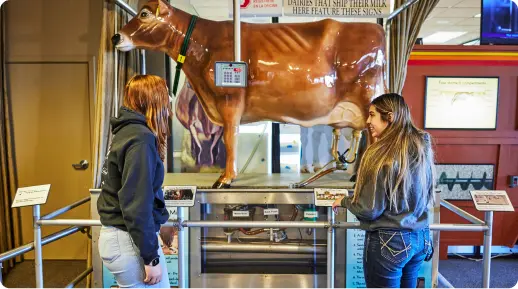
(148, 95)
(401, 151)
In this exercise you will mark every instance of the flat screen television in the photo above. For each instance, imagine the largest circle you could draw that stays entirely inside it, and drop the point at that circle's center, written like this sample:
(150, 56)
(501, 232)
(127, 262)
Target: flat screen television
(499, 22)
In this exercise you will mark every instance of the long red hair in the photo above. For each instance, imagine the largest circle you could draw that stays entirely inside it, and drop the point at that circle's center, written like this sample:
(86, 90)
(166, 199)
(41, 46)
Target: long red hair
(148, 95)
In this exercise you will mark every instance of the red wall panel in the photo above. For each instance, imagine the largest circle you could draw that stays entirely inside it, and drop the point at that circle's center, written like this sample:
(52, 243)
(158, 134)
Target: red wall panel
(498, 147)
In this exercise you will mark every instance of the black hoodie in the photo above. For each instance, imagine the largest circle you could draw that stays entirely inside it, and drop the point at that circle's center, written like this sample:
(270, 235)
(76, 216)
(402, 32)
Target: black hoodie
(131, 196)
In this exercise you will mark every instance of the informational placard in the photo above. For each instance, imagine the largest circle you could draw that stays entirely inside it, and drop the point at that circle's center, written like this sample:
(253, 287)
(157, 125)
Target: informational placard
(497, 201)
(326, 197)
(179, 196)
(271, 212)
(257, 8)
(338, 8)
(354, 256)
(231, 74)
(30, 196)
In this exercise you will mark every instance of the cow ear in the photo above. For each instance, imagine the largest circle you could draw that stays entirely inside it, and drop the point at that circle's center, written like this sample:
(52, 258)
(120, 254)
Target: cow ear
(162, 7)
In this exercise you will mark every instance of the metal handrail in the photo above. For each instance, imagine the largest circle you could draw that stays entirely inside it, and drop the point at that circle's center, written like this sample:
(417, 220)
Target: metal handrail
(461, 213)
(65, 209)
(331, 225)
(80, 278)
(29, 247)
(125, 6)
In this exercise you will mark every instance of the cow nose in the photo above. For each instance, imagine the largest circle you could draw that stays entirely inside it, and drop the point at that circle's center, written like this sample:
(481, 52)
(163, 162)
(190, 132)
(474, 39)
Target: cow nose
(116, 39)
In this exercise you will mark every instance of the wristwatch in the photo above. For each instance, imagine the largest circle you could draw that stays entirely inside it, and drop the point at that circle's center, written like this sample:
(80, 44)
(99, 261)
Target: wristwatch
(154, 262)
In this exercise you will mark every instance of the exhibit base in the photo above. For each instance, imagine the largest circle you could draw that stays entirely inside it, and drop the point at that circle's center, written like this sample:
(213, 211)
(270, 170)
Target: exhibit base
(262, 257)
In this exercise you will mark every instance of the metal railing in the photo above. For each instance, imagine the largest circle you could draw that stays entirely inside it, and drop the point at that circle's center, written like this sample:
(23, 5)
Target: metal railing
(331, 225)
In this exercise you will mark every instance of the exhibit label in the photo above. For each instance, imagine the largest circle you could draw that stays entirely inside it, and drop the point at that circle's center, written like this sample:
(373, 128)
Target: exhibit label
(497, 201)
(30, 196)
(338, 8)
(241, 214)
(257, 8)
(271, 212)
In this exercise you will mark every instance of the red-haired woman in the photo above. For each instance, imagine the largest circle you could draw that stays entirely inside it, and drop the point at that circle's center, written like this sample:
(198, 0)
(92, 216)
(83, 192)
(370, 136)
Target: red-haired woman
(131, 204)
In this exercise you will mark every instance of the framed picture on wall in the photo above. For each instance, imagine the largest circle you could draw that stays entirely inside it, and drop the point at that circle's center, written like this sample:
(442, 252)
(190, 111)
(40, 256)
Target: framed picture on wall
(455, 181)
(461, 103)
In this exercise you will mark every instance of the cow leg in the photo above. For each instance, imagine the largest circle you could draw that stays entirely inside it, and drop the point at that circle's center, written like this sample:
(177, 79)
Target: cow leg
(231, 110)
(194, 135)
(215, 141)
(334, 149)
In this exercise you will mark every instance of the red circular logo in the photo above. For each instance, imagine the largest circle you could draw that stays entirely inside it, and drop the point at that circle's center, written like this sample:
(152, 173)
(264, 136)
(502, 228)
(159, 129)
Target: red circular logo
(245, 3)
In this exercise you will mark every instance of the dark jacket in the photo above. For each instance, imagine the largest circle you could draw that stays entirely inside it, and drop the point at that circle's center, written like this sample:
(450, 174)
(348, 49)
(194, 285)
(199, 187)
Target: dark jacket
(131, 196)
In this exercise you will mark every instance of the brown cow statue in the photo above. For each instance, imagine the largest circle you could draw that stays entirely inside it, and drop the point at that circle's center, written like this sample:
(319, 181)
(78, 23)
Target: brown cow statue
(325, 72)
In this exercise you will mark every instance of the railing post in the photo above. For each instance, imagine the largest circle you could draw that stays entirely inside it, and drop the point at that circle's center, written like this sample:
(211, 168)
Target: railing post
(182, 262)
(488, 235)
(38, 266)
(331, 249)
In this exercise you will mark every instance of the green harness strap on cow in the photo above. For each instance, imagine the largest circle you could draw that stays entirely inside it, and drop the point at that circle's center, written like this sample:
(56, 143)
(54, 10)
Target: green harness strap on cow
(183, 52)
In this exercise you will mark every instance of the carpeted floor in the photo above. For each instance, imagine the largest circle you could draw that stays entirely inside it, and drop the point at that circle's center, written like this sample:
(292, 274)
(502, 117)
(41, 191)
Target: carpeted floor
(460, 273)
(56, 274)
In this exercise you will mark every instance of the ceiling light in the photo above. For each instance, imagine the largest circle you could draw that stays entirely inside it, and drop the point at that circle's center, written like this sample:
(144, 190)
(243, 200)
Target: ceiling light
(442, 37)
(443, 22)
(477, 16)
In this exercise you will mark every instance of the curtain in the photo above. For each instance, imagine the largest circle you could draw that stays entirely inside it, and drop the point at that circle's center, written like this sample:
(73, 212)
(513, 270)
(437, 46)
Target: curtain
(10, 226)
(403, 34)
(114, 69)
(127, 67)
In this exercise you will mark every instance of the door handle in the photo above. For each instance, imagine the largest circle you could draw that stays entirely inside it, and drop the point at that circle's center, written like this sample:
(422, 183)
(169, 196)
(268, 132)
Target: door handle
(82, 165)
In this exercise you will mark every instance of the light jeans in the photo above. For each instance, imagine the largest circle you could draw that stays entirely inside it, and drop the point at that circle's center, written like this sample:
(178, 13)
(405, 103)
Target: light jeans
(122, 258)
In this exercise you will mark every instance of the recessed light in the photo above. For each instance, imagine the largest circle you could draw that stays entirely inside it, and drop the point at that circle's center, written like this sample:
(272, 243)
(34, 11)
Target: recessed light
(442, 37)
(443, 22)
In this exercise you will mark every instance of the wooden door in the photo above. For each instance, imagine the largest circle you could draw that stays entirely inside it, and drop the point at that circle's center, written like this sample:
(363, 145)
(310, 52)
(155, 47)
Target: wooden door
(52, 105)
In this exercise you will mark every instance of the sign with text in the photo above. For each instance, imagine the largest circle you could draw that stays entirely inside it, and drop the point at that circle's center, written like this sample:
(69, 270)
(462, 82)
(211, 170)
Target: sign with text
(241, 214)
(30, 196)
(497, 201)
(179, 196)
(326, 197)
(271, 212)
(338, 8)
(258, 8)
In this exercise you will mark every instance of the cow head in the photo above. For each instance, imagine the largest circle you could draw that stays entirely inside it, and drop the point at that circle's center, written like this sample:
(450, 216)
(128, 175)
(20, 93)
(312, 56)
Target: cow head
(150, 29)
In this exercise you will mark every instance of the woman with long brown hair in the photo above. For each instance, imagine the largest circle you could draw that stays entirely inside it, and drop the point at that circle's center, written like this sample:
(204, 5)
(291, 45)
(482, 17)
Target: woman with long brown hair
(392, 195)
(131, 204)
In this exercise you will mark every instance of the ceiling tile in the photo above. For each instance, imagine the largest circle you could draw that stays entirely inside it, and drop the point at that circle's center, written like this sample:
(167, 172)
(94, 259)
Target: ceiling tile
(449, 3)
(437, 11)
(443, 21)
(470, 22)
(469, 4)
(459, 12)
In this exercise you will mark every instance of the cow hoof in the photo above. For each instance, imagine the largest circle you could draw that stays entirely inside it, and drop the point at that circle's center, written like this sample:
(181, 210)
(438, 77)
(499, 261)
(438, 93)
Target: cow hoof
(220, 185)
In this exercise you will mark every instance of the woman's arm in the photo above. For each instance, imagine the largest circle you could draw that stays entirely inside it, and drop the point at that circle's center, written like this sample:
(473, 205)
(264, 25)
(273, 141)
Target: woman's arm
(136, 198)
(371, 202)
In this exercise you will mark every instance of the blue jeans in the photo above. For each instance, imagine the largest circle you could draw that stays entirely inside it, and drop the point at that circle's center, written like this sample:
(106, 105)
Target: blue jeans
(122, 258)
(393, 258)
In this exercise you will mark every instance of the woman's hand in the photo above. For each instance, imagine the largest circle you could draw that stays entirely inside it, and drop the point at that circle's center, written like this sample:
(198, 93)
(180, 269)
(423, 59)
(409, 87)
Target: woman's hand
(153, 274)
(337, 204)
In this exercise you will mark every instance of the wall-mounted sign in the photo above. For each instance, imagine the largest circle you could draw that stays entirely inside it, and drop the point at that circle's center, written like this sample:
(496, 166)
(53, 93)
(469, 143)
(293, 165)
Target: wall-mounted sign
(468, 103)
(338, 8)
(258, 8)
